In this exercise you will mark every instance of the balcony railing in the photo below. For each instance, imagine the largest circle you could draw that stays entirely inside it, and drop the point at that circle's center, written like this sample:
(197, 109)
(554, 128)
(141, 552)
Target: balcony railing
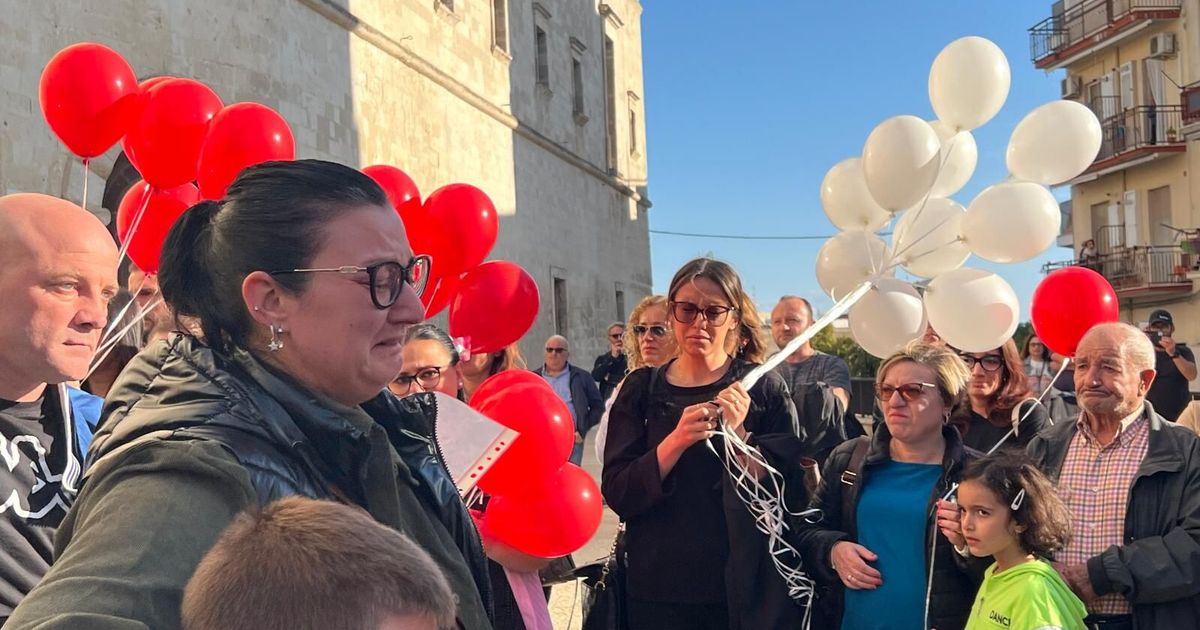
(1140, 270)
(1089, 23)
(1138, 130)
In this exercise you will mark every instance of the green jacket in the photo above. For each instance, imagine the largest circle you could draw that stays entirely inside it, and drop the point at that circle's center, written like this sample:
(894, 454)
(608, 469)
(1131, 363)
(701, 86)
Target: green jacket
(1029, 596)
(190, 439)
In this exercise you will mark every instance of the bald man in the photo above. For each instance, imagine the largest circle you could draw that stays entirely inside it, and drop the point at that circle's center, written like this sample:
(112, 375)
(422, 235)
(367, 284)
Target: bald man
(574, 385)
(58, 270)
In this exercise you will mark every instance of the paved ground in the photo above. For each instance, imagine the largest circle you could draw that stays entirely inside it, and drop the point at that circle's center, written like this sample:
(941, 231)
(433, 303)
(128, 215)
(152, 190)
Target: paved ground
(565, 598)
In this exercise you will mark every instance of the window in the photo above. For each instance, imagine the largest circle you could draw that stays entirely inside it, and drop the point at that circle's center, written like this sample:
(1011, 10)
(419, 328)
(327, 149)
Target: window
(560, 306)
(620, 305)
(610, 104)
(633, 139)
(447, 4)
(541, 57)
(577, 87)
(500, 24)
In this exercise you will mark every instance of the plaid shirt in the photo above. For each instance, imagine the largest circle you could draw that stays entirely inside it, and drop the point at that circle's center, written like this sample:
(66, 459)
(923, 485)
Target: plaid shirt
(1095, 483)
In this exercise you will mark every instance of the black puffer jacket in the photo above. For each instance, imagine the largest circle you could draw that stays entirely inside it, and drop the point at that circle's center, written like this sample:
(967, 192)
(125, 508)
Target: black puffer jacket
(955, 578)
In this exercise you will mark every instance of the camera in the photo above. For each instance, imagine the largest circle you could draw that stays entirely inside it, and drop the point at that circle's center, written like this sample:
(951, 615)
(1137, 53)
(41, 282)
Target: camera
(1155, 336)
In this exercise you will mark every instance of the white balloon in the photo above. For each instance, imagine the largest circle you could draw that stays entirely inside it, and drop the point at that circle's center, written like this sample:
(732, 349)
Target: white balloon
(846, 200)
(927, 241)
(848, 259)
(889, 316)
(900, 161)
(1054, 143)
(1011, 222)
(958, 155)
(971, 309)
(968, 82)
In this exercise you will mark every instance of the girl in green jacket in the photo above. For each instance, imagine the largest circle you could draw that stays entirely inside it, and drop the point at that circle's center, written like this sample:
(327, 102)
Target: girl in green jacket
(1009, 510)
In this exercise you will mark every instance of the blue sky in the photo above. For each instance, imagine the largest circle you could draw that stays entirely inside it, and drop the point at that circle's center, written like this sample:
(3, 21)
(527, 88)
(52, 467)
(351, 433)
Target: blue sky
(749, 104)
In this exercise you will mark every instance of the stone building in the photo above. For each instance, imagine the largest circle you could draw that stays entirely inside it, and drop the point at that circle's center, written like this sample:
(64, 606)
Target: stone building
(538, 103)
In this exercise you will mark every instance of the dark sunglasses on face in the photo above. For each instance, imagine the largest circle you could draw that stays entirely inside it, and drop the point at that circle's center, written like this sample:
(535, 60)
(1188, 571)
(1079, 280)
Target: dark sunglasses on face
(910, 392)
(655, 330)
(686, 313)
(990, 362)
(429, 378)
(615, 336)
(556, 350)
(385, 279)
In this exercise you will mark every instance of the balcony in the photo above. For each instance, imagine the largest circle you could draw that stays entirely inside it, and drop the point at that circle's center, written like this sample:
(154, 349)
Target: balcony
(1086, 27)
(1141, 273)
(1135, 135)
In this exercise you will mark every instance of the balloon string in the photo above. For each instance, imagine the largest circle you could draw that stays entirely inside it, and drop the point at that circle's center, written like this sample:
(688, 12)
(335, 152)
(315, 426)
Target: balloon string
(1011, 432)
(792, 346)
(121, 314)
(891, 263)
(137, 220)
(86, 164)
(107, 347)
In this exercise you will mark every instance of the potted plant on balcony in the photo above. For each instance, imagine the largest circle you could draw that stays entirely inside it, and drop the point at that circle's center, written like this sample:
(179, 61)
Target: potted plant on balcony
(1172, 134)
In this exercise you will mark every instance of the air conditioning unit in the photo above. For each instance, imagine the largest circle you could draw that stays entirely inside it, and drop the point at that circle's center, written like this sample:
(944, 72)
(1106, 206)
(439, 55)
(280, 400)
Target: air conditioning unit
(1071, 87)
(1162, 45)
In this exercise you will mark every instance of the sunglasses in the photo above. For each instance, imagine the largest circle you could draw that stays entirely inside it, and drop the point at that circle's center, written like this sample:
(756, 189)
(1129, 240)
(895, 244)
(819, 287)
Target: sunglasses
(655, 331)
(429, 378)
(386, 279)
(686, 313)
(615, 336)
(990, 362)
(556, 350)
(910, 392)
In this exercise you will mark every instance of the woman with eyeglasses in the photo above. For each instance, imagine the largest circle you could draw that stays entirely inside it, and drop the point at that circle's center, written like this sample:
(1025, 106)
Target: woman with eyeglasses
(1038, 364)
(304, 285)
(881, 509)
(999, 399)
(693, 558)
(430, 364)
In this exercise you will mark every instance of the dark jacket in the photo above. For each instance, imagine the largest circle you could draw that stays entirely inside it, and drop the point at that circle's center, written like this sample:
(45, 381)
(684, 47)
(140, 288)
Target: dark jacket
(193, 437)
(955, 578)
(1158, 567)
(608, 372)
(585, 397)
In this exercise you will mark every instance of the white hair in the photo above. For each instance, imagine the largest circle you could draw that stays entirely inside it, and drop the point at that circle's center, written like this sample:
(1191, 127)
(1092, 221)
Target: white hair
(1133, 344)
(566, 344)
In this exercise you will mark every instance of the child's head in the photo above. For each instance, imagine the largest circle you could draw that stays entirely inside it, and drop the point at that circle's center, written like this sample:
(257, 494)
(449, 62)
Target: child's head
(300, 563)
(1004, 500)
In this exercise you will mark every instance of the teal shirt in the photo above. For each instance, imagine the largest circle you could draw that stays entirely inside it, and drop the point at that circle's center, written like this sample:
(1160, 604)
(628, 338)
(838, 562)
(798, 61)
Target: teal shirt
(893, 517)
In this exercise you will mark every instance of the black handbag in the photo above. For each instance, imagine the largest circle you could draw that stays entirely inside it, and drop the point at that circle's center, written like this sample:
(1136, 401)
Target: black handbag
(604, 589)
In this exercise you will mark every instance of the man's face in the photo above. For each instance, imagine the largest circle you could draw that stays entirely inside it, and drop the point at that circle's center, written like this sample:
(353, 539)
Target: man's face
(56, 301)
(144, 288)
(1107, 386)
(1166, 329)
(788, 320)
(556, 354)
(614, 336)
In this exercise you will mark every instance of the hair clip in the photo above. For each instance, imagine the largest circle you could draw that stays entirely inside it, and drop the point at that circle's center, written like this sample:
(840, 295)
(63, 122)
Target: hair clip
(1018, 500)
(462, 345)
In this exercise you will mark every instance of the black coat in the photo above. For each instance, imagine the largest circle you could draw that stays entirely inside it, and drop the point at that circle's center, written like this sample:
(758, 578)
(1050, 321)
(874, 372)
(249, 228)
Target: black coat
(955, 578)
(1158, 567)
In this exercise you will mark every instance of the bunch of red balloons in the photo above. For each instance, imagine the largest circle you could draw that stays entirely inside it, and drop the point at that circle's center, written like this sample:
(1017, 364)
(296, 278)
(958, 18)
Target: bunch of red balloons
(1067, 303)
(186, 143)
(541, 504)
(457, 226)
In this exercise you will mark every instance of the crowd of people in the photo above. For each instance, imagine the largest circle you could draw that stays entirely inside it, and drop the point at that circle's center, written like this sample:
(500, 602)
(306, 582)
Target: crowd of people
(256, 450)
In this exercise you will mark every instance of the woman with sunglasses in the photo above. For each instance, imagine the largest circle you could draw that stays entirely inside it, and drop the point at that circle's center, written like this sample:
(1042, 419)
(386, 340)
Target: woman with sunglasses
(647, 341)
(693, 558)
(881, 509)
(303, 284)
(999, 399)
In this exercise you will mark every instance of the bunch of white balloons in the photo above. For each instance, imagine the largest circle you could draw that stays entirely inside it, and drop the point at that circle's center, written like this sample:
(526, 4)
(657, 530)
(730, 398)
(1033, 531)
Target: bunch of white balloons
(907, 172)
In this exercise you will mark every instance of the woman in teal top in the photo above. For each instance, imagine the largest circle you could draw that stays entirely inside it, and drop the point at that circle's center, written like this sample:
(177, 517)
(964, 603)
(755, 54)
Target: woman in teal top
(871, 551)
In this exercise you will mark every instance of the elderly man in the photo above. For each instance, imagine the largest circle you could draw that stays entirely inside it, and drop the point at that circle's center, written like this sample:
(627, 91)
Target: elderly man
(1131, 481)
(575, 387)
(58, 270)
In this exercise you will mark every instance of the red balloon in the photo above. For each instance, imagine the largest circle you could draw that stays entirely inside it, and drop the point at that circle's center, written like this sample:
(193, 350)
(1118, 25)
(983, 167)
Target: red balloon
(241, 135)
(460, 226)
(557, 521)
(497, 303)
(401, 191)
(164, 144)
(1067, 303)
(439, 293)
(162, 208)
(89, 96)
(500, 382)
(547, 435)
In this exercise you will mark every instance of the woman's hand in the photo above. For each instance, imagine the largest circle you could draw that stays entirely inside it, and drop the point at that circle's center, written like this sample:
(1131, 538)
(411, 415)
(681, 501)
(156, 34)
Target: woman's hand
(948, 520)
(734, 403)
(850, 561)
(696, 424)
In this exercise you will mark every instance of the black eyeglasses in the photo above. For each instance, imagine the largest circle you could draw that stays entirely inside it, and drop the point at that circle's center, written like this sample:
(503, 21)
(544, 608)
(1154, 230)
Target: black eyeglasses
(990, 362)
(429, 378)
(655, 330)
(386, 279)
(686, 313)
(910, 392)
(555, 350)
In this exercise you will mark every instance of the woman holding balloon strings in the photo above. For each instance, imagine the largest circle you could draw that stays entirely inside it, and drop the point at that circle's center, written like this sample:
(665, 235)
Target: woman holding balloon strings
(431, 364)
(880, 509)
(693, 557)
(648, 341)
(303, 285)
(998, 398)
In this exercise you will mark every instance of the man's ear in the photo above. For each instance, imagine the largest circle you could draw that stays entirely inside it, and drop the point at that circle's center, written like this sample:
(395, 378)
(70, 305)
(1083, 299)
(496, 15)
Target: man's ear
(1147, 378)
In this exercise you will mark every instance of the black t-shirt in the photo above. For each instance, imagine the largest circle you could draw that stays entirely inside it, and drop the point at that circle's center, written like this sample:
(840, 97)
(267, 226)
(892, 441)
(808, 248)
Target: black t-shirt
(1169, 393)
(32, 500)
(980, 434)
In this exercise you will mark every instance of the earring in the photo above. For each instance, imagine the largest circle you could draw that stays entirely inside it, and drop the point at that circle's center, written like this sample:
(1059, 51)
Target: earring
(276, 344)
